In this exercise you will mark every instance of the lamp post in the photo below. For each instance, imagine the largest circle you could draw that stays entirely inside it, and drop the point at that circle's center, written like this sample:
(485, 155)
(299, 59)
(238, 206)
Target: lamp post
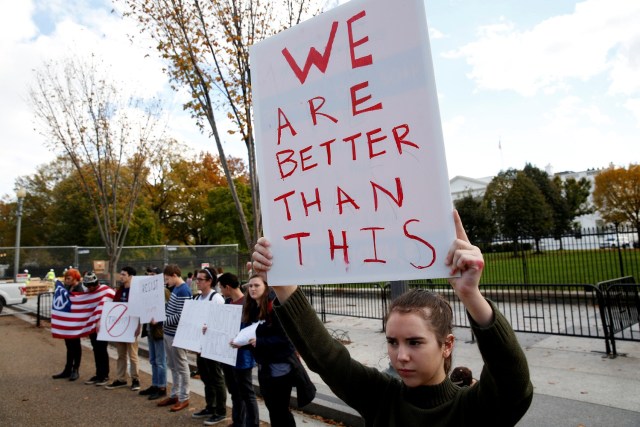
(21, 193)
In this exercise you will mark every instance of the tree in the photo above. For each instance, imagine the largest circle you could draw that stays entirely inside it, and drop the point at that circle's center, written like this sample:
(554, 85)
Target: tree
(527, 212)
(207, 46)
(476, 219)
(552, 193)
(40, 201)
(105, 134)
(617, 195)
(518, 206)
(222, 226)
(187, 186)
(576, 193)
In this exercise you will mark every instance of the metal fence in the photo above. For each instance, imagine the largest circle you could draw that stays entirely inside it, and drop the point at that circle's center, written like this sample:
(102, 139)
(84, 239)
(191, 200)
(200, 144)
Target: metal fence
(608, 310)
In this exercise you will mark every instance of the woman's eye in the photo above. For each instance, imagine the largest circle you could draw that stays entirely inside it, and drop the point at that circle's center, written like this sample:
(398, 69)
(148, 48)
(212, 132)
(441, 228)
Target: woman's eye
(414, 342)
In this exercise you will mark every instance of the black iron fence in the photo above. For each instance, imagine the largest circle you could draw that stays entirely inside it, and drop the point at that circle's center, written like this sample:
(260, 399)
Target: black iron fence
(608, 310)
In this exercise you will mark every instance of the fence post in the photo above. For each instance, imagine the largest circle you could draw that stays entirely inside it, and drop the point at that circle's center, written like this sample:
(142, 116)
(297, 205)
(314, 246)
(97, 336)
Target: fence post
(38, 313)
(166, 255)
(620, 262)
(76, 258)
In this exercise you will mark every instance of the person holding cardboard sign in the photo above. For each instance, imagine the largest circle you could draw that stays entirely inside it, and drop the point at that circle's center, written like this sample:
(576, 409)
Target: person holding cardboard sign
(420, 345)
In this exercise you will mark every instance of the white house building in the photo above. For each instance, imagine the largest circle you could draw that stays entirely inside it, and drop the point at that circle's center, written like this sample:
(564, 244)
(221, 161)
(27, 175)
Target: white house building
(463, 185)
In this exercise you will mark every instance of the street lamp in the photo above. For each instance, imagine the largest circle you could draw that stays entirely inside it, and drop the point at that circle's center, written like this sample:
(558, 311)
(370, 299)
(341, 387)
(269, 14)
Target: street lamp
(21, 193)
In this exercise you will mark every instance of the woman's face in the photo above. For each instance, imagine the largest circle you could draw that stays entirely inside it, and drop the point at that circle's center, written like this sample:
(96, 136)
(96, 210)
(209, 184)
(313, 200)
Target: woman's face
(256, 288)
(70, 280)
(414, 350)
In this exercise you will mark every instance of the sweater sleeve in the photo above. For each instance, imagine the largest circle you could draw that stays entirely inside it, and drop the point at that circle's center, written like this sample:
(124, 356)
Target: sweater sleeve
(505, 381)
(358, 386)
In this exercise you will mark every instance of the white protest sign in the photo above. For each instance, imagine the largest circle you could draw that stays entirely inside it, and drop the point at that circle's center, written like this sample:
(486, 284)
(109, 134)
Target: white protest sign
(116, 323)
(189, 332)
(351, 162)
(223, 324)
(146, 297)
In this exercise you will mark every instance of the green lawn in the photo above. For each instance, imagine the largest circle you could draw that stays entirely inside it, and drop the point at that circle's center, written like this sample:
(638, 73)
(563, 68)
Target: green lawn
(562, 267)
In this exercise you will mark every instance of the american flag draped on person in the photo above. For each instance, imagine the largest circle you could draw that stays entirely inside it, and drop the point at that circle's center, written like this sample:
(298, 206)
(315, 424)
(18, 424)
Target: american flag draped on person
(76, 314)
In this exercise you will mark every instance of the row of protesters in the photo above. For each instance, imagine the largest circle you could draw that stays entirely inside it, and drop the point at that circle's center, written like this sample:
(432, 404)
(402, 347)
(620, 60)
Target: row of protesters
(210, 371)
(126, 350)
(71, 369)
(157, 356)
(420, 344)
(238, 378)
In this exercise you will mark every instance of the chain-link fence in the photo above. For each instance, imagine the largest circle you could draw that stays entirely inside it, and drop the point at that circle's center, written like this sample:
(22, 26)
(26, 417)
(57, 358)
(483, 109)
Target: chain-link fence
(39, 260)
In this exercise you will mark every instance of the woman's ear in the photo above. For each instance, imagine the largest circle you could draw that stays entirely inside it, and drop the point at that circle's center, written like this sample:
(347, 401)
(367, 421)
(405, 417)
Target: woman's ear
(447, 348)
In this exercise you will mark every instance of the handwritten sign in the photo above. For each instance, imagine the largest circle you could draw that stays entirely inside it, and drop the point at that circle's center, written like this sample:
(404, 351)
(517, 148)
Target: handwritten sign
(116, 323)
(146, 297)
(223, 324)
(351, 162)
(189, 332)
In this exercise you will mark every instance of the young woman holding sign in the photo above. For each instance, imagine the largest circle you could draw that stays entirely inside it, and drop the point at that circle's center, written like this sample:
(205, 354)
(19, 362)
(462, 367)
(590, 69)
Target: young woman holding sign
(420, 346)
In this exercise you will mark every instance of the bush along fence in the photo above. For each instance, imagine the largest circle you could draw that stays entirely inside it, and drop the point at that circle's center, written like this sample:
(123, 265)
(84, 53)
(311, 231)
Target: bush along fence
(607, 310)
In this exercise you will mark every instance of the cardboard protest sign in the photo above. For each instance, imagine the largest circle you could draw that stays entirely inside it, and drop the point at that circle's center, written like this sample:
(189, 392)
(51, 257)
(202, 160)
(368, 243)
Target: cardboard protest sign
(351, 163)
(223, 324)
(146, 298)
(189, 332)
(116, 323)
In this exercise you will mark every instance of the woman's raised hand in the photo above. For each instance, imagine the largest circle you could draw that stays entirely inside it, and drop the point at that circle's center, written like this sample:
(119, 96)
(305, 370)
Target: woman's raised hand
(467, 260)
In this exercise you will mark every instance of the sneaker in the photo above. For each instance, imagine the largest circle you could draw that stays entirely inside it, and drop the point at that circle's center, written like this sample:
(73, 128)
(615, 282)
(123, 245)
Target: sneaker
(160, 392)
(135, 385)
(94, 379)
(215, 420)
(102, 381)
(116, 384)
(148, 391)
(205, 413)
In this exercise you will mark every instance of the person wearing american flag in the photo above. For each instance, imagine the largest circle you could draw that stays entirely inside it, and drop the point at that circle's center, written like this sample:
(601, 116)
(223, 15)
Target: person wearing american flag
(61, 300)
(75, 314)
(100, 353)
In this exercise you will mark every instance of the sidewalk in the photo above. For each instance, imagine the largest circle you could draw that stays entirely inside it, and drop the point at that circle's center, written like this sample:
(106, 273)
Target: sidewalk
(574, 383)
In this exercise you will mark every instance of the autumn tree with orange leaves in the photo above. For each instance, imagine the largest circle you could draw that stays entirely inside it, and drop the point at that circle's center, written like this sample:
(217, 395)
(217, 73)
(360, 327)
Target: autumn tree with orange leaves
(206, 44)
(617, 195)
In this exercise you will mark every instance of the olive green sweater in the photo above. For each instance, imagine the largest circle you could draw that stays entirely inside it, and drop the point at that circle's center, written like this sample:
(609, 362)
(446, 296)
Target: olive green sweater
(500, 397)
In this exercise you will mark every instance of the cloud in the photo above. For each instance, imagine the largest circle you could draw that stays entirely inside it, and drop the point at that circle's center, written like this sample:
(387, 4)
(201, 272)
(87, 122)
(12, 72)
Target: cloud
(633, 105)
(435, 34)
(600, 36)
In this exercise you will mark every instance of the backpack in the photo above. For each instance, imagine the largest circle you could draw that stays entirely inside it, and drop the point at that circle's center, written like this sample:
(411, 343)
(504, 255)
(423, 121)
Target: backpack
(211, 295)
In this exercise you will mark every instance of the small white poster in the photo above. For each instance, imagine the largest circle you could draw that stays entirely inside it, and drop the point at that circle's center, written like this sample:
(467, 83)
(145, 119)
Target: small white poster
(146, 298)
(189, 332)
(223, 324)
(116, 323)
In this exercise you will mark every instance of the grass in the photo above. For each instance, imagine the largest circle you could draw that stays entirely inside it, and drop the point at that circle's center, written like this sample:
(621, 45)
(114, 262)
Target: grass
(561, 267)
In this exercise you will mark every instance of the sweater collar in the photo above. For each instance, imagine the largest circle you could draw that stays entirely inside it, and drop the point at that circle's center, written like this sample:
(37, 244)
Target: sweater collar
(430, 396)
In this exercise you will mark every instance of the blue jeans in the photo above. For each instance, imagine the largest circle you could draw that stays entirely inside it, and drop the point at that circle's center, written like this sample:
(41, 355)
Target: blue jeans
(158, 361)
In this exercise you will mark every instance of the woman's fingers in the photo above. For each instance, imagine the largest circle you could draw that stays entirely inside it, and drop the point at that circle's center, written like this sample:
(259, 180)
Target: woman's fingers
(262, 255)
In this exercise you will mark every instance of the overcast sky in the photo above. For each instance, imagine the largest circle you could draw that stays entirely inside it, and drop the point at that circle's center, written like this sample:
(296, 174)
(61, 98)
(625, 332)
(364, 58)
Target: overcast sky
(549, 82)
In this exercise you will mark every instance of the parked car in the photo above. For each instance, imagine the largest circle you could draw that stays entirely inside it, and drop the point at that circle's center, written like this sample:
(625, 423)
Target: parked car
(613, 241)
(12, 293)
